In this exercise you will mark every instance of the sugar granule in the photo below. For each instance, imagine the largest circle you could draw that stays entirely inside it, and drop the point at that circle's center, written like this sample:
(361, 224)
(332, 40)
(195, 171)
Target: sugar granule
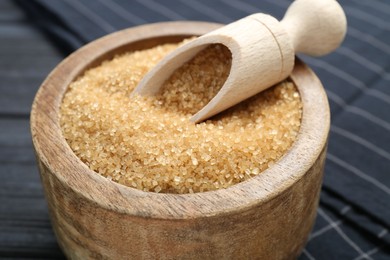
(149, 143)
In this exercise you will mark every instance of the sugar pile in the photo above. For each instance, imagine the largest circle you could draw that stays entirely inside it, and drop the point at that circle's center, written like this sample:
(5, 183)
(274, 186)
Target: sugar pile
(149, 143)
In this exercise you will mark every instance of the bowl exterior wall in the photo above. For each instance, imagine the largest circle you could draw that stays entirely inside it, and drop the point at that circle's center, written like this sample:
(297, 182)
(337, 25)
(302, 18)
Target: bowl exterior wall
(277, 229)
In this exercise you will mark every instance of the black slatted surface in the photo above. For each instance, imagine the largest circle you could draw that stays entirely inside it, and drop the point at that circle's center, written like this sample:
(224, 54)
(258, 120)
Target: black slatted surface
(26, 57)
(354, 218)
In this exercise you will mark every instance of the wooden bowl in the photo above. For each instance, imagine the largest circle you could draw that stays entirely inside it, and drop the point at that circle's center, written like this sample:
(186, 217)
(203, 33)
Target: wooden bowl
(267, 217)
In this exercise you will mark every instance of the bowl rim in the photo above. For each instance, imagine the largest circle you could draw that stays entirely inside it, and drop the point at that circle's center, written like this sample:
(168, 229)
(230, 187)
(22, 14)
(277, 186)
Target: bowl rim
(54, 152)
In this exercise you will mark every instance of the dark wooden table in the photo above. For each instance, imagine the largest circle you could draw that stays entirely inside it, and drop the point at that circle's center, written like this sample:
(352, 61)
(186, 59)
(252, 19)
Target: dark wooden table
(26, 57)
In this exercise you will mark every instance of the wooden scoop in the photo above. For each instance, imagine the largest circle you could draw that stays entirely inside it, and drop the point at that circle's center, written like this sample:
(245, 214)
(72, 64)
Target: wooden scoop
(263, 51)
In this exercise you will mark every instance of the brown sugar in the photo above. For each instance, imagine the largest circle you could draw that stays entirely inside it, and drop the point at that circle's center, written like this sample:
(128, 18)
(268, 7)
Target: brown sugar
(149, 143)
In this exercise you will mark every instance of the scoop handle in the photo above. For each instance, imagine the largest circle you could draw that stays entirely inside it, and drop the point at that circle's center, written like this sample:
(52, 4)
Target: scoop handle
(315, 27)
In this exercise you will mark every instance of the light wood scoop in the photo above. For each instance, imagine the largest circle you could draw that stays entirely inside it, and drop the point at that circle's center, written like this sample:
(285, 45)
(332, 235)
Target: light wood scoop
(263, 51)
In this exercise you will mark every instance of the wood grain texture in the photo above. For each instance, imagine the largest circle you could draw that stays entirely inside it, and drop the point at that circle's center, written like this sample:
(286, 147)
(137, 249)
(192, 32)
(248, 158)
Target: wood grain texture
(267, 217)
